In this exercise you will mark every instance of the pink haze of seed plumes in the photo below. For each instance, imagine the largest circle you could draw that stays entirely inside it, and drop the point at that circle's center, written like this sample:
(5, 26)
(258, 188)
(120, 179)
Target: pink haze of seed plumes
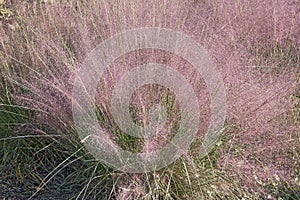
(240, 37)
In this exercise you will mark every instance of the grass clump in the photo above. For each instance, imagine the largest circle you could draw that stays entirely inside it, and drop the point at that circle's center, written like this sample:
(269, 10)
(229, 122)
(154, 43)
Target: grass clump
(43, 43)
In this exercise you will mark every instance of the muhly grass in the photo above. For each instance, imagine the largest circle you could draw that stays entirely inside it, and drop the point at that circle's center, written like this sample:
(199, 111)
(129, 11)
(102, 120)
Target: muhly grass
(255, 46)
